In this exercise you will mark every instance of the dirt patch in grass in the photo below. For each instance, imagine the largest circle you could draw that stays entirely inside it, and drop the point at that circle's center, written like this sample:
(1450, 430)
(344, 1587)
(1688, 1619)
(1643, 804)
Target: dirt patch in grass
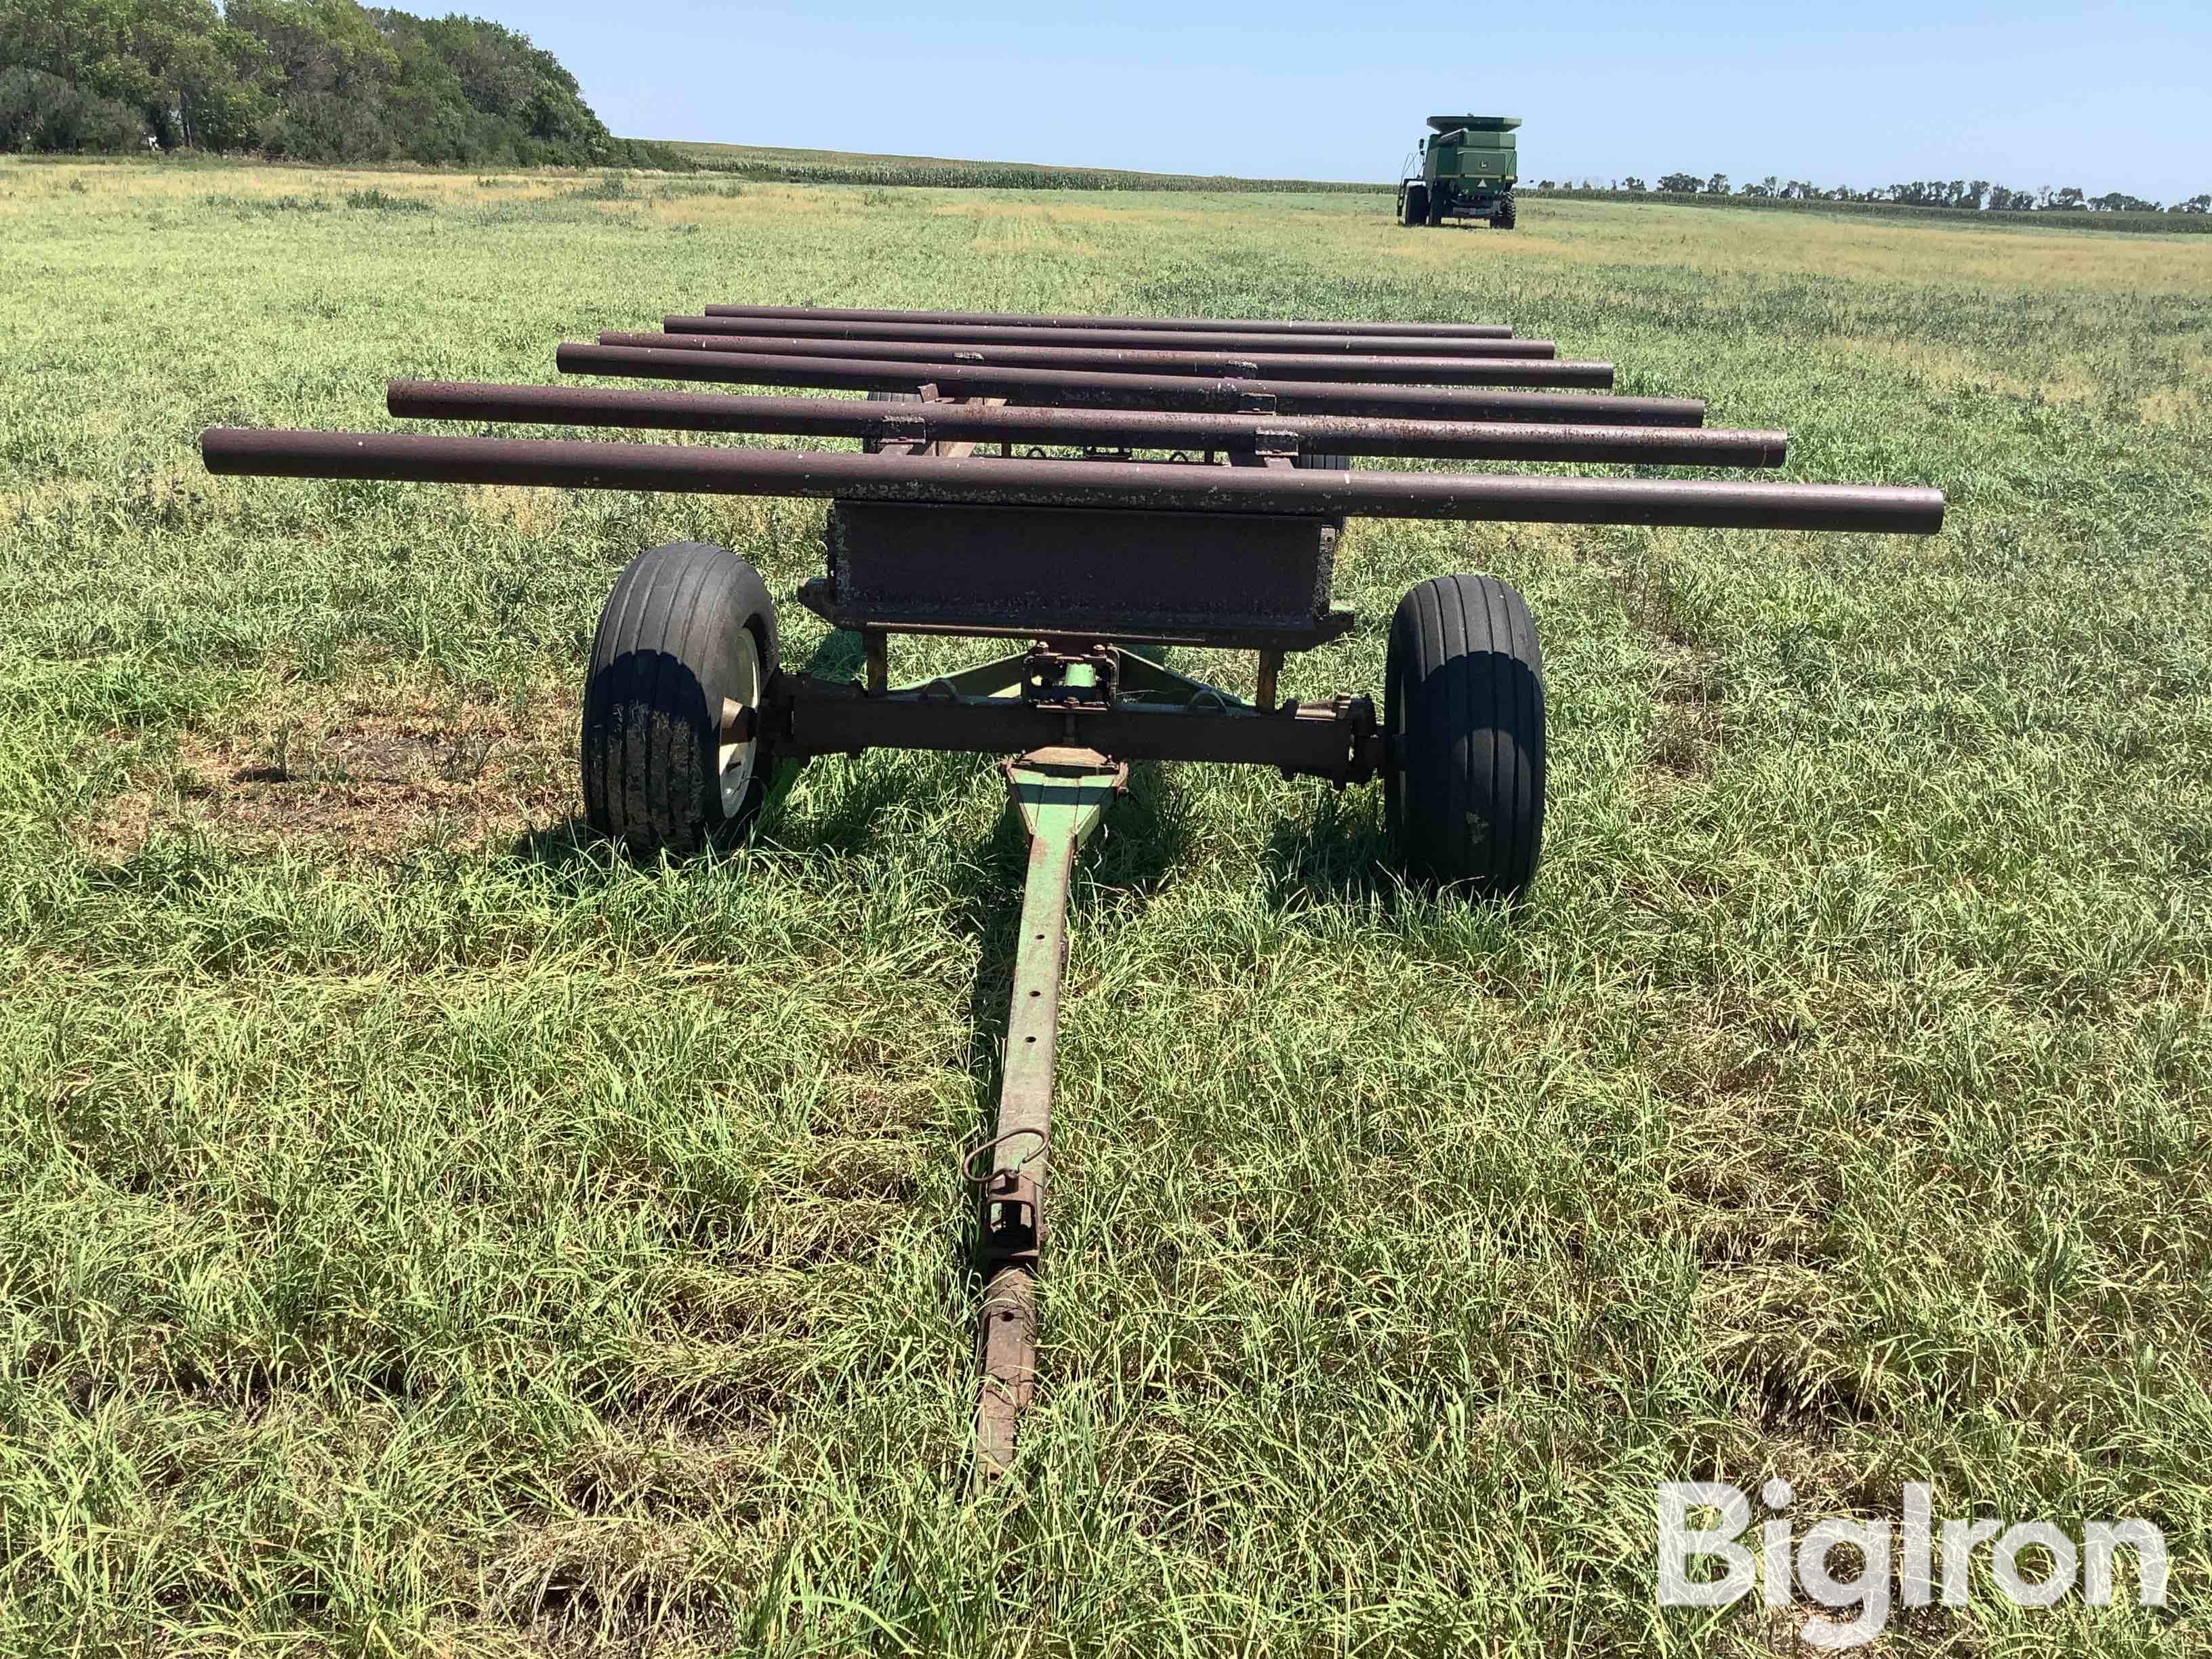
(1687, 727)
(374, 773)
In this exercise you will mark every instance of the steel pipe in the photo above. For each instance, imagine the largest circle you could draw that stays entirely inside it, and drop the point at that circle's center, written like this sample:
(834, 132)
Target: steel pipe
(573, 464)
(1101, 391)
(951, 423)
(1425, 371)
(1166, 325)
(1405, 346)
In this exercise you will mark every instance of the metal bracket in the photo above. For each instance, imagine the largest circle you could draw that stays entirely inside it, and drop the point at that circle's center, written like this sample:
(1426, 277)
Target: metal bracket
(1069, 679)
(1012, 1232)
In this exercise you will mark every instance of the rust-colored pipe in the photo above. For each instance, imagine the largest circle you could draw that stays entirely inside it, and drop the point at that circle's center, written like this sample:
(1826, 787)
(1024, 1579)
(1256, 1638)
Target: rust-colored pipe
(1405, 371)
(569, 463)
(1378, 345)
(1068, 387)
(1166, 325)
(1097, 428)
(1124, 390)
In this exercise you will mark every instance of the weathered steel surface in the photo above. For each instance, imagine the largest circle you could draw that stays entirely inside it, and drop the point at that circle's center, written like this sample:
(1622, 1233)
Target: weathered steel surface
(1218, 578)
(1403, 371)
(1166, 325)
(954, 334)
(803, 716)
(1061, 793)
(1164, 487)
(1068, 387)
(941, 422)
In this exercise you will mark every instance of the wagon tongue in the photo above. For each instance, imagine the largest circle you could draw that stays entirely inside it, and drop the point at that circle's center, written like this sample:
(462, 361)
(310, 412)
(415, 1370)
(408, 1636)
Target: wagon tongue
(1061, 793)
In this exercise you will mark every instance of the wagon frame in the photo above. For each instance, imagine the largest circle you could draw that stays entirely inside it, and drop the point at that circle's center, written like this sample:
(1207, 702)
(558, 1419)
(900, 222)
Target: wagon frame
(1086, 562)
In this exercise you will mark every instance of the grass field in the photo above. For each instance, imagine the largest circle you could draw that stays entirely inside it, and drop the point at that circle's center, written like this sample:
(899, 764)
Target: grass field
(2159, 223)
(844, 167)
(424, 1233)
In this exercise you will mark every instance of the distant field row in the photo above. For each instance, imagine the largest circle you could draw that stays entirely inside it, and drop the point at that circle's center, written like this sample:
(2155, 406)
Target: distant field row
(833, 167)
(2081, 219)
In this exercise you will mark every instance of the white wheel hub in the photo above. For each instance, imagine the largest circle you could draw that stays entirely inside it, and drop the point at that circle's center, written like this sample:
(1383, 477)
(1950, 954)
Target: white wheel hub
(737, 758)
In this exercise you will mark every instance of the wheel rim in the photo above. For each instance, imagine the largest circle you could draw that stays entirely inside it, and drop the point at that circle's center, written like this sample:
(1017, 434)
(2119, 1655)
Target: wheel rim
(736, 760)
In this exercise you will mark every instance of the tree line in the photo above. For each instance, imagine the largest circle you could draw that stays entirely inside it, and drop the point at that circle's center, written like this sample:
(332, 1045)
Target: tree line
(303, 80)
(1977, 195)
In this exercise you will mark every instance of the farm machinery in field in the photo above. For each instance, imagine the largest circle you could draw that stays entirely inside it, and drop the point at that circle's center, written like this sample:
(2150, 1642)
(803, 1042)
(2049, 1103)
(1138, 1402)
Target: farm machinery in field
(990, 488)
(1468, 166)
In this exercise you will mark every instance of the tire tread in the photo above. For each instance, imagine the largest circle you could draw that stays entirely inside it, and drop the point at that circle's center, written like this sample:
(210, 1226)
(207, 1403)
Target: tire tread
(1464, 701)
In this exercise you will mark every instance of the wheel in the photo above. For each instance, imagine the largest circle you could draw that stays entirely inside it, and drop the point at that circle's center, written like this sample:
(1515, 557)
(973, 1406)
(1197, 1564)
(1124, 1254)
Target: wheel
(869, 446)
(1503, 218)
(1463, 704)
(1322, 463)
(688, 630)
(1434, 207)
(1413, 205)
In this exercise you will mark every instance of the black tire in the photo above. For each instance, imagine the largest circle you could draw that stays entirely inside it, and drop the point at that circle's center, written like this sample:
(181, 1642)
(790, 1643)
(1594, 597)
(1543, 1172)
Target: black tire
(1464, 703)
(869, 446)
(1322, 463)
(687, 626)
(1503, 218)
(1414, 209)
(1434, 207)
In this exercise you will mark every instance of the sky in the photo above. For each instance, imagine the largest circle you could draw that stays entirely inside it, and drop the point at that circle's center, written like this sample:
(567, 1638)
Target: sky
(2105, 97)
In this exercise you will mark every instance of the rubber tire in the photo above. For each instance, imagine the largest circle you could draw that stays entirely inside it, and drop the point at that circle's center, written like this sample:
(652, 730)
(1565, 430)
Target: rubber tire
(1464, 703)
(1502, 219)
(869, 446)
(665, 655)
(1435, 210)
(1414, 210)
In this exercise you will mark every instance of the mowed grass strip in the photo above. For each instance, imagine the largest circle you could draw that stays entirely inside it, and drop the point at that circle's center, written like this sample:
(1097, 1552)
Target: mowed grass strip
(426, 1233)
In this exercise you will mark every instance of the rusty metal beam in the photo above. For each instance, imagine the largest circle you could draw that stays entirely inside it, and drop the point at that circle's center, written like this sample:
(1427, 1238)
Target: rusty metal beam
(565, 404)
(992, 482)
(1150, 325)
(806, 716)
(953, 335)
(1066, 388)
(1399, 371)
(1061, 793)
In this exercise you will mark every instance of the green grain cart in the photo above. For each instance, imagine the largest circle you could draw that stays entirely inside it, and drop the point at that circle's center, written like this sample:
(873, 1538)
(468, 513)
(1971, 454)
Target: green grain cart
(1467, 172)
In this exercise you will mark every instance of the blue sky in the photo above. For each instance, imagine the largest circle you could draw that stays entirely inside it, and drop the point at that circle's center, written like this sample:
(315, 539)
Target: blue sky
(2105, 97)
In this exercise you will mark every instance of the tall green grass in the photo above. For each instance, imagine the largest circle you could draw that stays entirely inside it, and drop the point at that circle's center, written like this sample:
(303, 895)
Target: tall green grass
(424, 1232)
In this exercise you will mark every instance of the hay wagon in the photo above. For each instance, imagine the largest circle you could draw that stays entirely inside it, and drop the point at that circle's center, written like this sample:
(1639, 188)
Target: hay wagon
(995, 489)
